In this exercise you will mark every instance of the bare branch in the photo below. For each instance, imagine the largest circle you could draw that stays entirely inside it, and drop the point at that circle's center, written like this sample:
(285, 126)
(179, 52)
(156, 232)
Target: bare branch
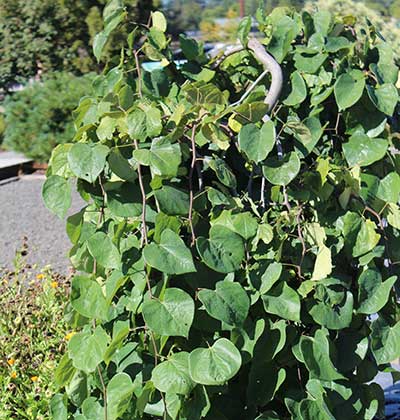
(144, 202)
(139, 73)
(271, 65)
(191, 194)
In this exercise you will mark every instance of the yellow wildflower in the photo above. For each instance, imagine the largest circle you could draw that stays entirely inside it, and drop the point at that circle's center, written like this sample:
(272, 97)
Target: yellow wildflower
(70, 335)
(40, 276)
(54, 284)
(13, 374)
(34, 378)
(11, 361)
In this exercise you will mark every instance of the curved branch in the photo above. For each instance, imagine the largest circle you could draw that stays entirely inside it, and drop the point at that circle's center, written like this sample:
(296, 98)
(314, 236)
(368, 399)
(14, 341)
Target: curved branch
(272, 66)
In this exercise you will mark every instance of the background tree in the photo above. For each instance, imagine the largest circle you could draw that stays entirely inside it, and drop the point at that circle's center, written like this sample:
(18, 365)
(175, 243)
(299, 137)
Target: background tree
(40, 36)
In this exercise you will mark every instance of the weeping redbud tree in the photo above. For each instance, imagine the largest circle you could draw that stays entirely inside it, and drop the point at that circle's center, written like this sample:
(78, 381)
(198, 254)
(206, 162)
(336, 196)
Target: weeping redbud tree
(241, 225)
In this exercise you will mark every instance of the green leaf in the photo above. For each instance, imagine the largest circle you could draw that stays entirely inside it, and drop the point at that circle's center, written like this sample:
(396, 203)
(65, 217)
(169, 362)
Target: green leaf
(58, 407)
(307, 133)
(173, 315)
(170, 256)
(87, 162)
(309, 64)
(57, 195)
(257, 143)
(153, 122)
(88, 299)
(190, 47)
(323, 264)
(120, 332)
(283, 301)
(106, 128)
(393, 215)
(136, 123)
(92, 409)
(87, 350)
(59, 161)
(125, 201)
(270, 276)
(215, 365)
(363, 151)
(99, 42)
(284, 32)
(172, 376)
(159, 21)
(367, 239)
(373, 294)
(64, 372)
(282, 172)
(389, 188)
(299, 90)
(385, 97)
(244, 30)
(172, 201)
(119, 393)
(316, 352)
(244, 224)
(223, 172)
(349, 88)
(333, 314)
(223, 251)
(121, 166)
(385, 341)
(228, 303)
(103, 250)
(322, 22)
(165, 158)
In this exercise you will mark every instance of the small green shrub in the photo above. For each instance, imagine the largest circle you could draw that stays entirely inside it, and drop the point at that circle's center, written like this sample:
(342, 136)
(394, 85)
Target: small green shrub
(40, 116)
(32, 336)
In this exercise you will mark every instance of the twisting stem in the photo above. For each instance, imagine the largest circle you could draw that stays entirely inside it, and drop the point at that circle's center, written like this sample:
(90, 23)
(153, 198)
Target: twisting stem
(191, 195)
(103, 385)
(286, 199)
(272, 67)
(303, 244)
(104, 389)
(155, 350)
(262, 197)
(139, 73)
(251, 88)
(144, 228)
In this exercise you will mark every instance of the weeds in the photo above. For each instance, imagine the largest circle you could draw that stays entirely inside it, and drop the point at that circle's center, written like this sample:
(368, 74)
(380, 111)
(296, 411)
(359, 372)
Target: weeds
(32, 338)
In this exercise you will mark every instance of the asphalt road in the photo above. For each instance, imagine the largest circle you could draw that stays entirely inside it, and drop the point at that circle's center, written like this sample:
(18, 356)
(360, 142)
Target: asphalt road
(23, 214)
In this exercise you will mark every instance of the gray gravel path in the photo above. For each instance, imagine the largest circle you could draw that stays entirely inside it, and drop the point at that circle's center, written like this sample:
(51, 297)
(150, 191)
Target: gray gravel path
(22, 213)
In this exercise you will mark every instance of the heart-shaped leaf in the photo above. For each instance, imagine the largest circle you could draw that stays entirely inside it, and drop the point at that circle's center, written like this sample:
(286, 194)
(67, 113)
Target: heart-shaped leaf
(170, 256)
(215, 365)
(257, 143)
(172, 376)
(87, 162)
(223, 252)
(171, 316)
(228, 303)
(282, 172)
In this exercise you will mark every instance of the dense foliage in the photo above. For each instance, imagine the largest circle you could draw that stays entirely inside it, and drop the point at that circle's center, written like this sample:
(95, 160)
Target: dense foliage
(39, 117)
(41, 36)
(232, 252)
(387, 26)
(32, 338)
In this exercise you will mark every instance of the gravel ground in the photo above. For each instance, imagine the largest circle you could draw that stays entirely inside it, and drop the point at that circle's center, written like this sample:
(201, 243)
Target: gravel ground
(23, 214)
